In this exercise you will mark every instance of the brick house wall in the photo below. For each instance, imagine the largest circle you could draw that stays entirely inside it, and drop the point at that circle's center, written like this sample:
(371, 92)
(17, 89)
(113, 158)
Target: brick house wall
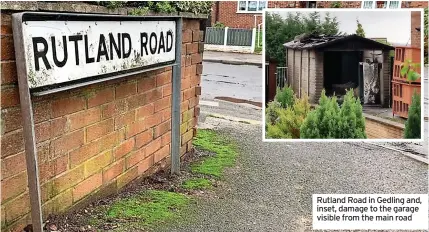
(229, 17)
(93, 140)
(416, 35)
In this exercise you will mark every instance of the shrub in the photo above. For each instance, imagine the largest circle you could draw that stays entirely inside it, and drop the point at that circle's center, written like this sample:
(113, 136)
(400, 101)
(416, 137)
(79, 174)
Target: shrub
(219, 25)
(271, 112)
(351, 121)
(289, 120)
(412, 125)
(323, 121)
(285, 96)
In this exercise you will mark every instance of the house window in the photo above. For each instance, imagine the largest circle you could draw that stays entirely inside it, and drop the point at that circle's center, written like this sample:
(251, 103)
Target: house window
(251, 6)
(381, 4)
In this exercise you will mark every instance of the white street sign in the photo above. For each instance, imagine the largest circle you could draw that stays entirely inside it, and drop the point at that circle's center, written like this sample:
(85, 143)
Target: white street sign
(61, 51)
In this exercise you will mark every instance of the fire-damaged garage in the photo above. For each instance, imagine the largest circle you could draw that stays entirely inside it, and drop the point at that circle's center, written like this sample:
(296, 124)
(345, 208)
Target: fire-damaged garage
(339, 63)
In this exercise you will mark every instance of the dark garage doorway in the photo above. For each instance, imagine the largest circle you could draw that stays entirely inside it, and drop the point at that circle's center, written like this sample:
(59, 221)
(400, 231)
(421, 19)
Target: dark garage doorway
(341, 71)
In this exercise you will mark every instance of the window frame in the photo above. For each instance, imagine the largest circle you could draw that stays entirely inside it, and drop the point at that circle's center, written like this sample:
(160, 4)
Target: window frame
(247, 7)
(388, 5)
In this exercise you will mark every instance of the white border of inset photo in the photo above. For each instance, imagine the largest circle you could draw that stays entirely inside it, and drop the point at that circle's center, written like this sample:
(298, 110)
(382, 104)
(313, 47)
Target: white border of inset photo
(295, 10)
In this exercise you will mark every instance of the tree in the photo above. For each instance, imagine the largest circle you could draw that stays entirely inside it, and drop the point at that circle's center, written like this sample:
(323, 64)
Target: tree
(412, 125)
(280, 30)
(359, 30)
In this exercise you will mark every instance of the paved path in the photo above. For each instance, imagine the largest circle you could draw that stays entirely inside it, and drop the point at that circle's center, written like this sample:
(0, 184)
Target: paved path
(271, 187)
(233, 58)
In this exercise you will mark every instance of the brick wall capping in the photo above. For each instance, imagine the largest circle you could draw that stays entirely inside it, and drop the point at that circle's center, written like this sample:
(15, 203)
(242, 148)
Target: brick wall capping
(84, 8)
(384, 121)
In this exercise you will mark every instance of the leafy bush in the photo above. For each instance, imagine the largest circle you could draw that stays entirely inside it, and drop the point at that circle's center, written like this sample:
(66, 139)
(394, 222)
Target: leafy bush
(336, 4)
(285, 96)
(219, 25)
(351, 121)
(409, 70)
(196, 7)
(412, 125)
(289, 120)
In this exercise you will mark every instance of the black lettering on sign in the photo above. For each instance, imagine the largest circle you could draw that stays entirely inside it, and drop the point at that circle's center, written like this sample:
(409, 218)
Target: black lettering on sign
(75, 39)
(87, 58)
(126, 54)
(161, 42)
(102, 49)
(152, 43)
(169, 40)
(54, 51)
(143, 43)
(40, 54)
(116, 46)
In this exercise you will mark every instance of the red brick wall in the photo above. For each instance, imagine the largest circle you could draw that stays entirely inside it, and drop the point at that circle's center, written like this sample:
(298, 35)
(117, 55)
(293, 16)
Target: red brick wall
(416, 35)
(95, 137)
(229, 17)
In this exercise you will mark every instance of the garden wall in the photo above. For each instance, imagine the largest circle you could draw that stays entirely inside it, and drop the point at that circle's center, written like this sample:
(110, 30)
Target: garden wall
(379, 128)
(94, 139)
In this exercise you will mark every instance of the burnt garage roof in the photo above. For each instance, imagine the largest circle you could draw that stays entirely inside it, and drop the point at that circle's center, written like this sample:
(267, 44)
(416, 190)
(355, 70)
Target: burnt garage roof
(348, 42)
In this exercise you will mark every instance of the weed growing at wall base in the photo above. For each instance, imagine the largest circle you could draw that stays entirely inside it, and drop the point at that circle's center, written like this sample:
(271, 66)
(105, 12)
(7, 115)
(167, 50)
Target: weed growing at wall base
(225, 153)
(149, 207)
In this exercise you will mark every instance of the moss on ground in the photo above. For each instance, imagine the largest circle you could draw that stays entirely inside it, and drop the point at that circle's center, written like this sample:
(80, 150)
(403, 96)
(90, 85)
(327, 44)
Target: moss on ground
(149, 207)
(225, 153)
(197, 183)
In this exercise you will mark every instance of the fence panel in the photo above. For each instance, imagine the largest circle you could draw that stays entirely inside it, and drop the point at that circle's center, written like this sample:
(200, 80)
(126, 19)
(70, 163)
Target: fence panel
(215, 36)
(281, 76)
(239, 37)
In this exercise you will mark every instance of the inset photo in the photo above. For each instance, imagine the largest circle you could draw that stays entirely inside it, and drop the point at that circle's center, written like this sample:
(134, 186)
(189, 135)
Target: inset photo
(343, 74)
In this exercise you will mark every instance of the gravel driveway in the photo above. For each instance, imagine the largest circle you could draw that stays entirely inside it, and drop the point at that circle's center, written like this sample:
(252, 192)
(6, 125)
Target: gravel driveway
(271, 187)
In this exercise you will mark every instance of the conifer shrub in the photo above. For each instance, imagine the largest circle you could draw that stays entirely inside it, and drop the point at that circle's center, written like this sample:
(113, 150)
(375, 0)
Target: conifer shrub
(271, 112)
(285, 96)
(412, 125)
(323, 121)
(289, 121)
(351, 123)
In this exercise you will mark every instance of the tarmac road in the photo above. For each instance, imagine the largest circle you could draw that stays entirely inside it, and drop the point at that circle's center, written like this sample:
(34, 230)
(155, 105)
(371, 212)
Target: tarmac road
(272, 185)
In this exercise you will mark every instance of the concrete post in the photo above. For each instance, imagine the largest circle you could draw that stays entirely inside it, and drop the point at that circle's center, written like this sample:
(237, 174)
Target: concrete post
(225, 38)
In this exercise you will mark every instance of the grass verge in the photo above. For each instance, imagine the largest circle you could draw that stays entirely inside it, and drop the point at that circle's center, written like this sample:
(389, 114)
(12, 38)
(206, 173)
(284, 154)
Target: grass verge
(197, 183)
(149, 207)
(225, 153)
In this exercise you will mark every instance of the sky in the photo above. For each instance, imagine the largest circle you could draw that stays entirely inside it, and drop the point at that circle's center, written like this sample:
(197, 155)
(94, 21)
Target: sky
(393, 25)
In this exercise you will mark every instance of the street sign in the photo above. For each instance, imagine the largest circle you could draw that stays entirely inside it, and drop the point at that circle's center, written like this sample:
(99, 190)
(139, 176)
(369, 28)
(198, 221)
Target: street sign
(59, 50)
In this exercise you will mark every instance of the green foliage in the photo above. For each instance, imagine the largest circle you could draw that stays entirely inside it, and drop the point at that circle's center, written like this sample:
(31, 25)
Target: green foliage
(225, 153)
(285, 96)
(351, 124)
(196, 7)
(280, 30)
(359, 30)
(149, 207)
(412, 125)
(289, 120)
(336, 4)
(164, 7)
(323, 123)
(139, 11)
(271, 112)
(219, 25)
(111, 4)
(197, 183)
(167, 7)
(409, 70)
